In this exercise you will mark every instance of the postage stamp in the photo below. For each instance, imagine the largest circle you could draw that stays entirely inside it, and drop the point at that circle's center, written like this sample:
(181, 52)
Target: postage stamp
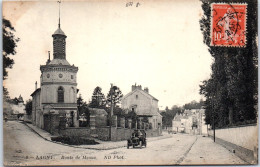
(228, 24)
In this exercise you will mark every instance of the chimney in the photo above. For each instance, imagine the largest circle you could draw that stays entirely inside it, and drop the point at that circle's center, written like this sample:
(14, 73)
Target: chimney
(35, 85)
(133, 87)
(146, 89)
(49, 60)
(136, 87)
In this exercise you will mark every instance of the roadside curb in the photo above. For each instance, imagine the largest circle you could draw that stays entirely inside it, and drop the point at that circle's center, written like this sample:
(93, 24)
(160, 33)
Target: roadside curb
(89, 148)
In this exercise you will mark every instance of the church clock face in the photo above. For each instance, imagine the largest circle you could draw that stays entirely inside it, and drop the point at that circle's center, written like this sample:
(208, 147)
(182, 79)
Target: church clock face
(60, 75)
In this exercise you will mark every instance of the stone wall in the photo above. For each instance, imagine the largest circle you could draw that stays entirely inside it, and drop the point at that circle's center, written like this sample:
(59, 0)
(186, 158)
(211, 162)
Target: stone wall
(245, 136)
(28, 118)
(241, 140)
(152, 133)
(102, 133)
(99, 133)
(101, 121)
(55, 121)
(79, 132)
(119, 134)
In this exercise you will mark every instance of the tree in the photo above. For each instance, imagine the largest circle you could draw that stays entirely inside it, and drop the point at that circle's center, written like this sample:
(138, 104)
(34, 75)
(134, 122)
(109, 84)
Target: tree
(114, 95)
(9, 45)
(6, 94)
(231, 91)
(80, 105)
(169, 114)
(193, 105)
(80, 101)
(98, 99)
(28, 107)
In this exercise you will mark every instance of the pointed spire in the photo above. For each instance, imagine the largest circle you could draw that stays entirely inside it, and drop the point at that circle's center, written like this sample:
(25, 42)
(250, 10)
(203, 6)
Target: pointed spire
(59, 12)
(59, 42)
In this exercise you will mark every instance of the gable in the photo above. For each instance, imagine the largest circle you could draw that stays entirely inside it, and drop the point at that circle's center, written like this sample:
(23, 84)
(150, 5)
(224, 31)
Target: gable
(141, 92)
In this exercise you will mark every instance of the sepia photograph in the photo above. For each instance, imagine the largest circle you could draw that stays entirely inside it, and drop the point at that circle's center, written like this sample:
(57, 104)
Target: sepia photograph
(130, 82)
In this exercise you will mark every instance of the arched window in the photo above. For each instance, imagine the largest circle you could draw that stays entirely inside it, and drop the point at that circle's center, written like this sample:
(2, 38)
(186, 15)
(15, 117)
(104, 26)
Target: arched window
(60, 95)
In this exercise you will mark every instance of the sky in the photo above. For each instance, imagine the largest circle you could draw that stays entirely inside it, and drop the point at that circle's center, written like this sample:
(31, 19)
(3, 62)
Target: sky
(158, 45)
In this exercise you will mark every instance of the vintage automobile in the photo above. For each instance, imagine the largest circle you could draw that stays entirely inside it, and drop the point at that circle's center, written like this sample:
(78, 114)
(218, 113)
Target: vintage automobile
(138, 138)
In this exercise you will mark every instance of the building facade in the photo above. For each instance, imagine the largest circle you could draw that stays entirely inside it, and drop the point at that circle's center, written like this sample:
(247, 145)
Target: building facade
(144, 105)
(57, 95)
(14, 108)
(190, 121)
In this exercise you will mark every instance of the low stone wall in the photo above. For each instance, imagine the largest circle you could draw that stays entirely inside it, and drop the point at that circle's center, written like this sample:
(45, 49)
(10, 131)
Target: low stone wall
(102, 133)
(152, 132)
(100, 121)
(79, 132)
(28, 118)
(241, 140)
(119, 134)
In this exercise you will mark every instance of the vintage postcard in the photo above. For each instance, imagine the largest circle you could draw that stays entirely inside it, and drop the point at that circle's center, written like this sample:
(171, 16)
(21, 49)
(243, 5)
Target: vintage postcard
(130, 82)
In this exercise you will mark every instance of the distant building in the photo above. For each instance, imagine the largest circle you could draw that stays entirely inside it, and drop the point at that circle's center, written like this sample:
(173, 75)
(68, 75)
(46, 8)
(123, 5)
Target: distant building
(190, 121)
(176, 124)
(144, 105)
(19, 106)
(14, 108)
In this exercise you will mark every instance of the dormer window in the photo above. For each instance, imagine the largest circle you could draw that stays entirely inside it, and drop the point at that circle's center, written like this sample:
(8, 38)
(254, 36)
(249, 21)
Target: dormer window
(136, 96)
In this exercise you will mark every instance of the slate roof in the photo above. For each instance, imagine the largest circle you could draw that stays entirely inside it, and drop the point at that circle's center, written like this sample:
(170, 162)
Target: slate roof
(39, 89)
(59, 62)
(59, 32)
(97, 111)
(142, 91)
(147, 113)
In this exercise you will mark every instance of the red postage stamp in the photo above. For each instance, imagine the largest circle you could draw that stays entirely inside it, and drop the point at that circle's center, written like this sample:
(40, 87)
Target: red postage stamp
(228, 24)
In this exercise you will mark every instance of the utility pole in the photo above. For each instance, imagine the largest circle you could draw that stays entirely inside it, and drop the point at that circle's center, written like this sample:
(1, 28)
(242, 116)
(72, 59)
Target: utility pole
(213, 125)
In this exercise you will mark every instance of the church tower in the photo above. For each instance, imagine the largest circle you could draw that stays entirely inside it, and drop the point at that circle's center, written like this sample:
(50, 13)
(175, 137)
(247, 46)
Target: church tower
(58, 85)
(59, 44)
